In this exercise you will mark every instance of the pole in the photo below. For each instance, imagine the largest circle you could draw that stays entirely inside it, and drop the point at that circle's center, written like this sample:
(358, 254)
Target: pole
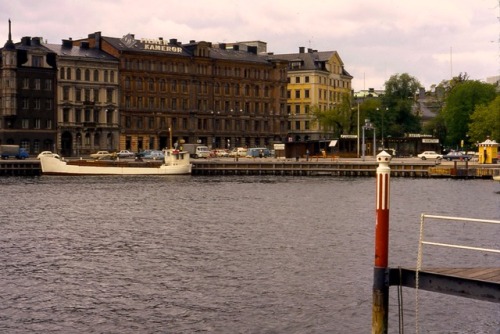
(374, 144)
(363, 148)
(358, 134)
(380, 308)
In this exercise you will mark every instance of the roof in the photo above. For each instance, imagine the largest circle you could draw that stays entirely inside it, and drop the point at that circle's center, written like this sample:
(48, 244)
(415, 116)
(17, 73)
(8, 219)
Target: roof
(78, 51)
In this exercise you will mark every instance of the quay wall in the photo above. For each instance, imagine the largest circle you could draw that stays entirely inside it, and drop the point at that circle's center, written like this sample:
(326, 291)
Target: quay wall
(402, 168)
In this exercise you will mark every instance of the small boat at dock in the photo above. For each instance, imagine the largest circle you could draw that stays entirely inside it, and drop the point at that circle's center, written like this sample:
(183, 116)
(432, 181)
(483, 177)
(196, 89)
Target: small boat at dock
(175, 163)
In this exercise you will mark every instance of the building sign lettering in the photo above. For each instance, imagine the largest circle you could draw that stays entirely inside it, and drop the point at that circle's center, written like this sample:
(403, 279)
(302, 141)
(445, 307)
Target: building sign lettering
(150, 44)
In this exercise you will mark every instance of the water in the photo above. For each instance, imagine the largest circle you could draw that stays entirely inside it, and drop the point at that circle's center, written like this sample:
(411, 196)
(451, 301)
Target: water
(225, 254)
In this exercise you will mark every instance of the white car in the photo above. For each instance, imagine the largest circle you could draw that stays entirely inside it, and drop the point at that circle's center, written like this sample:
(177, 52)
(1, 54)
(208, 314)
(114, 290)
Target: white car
(47, 153)
(430, 155)
(101, 155)
(125, 154)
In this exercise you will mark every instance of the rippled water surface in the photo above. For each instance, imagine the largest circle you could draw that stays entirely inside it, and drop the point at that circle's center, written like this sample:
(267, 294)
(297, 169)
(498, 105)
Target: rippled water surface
(226, 254)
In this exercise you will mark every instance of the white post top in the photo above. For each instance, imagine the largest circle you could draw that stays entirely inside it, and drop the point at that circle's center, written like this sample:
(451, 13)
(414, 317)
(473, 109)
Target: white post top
(384, 159)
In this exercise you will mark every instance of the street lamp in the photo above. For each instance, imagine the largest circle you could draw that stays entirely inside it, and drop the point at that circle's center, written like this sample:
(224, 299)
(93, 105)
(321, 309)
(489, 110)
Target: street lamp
(368, 126)
(382, 135)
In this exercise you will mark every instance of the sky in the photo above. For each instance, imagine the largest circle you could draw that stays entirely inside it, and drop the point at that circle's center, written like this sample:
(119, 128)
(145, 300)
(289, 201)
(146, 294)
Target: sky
(430, 40)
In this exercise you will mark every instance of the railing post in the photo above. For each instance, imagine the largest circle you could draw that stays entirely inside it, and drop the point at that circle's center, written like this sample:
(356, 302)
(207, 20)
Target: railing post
(380, 308)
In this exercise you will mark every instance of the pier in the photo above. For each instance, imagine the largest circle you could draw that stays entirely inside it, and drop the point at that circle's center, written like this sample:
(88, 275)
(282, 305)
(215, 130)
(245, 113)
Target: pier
(292, 167)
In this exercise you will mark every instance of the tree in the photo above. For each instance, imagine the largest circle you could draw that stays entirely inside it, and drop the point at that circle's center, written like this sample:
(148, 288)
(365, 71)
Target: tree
(339, 119)
(460, 104)
(485, 122)
(398, 116)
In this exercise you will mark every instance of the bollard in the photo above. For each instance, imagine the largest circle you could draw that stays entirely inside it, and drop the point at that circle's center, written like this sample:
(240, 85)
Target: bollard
(380, 283)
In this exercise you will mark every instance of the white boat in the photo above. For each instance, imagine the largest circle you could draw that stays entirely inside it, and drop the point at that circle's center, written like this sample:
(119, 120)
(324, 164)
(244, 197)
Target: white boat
(175, 163)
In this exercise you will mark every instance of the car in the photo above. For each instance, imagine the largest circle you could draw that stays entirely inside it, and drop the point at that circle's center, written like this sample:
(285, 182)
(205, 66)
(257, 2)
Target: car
(429, 155)
(125, 154)
(221, 153)
(456, 155)
(154, 155)
(258, 152)
(46, 153)
(101, 155)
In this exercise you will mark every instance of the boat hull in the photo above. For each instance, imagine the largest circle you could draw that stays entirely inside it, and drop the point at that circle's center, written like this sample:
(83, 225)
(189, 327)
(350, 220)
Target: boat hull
(55, 166)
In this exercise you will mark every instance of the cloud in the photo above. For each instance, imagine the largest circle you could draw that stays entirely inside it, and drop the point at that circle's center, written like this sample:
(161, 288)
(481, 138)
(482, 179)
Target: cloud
(374, 39)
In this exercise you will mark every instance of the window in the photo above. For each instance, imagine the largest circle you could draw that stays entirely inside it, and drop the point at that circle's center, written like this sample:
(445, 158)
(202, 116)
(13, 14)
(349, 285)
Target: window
(109, 95)
(25, 123)
(297, 79)
(306, 92)
(68, 73)
(37, 84)
(26, 83)
(87, 75)
(106, 79)
(87, 115)
(87, 94)
(151, 122)
(78, 96)
(49, 124)
(307, 79)
(78, 115)
(37, 123)
(151, 85)
(48, 104)
(297, 109)
(78, 74)
(96, 95)
(37, 104)
(65, 115)
(36, 61)
(112, 76)
(26, 103)
(65, 93)
(109, 116)
(297, 94)
(61, 74)
(96, 75)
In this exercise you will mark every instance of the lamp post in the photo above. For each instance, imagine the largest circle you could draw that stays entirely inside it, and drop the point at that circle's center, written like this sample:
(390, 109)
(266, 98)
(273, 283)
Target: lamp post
(368, 126)
(357, 144)
(382, 135)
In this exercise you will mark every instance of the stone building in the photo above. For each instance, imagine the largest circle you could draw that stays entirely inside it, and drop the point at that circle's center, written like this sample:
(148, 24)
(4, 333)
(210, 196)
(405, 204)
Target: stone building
(316, 79)
(87, 99)
(196, 93)
(27, 92)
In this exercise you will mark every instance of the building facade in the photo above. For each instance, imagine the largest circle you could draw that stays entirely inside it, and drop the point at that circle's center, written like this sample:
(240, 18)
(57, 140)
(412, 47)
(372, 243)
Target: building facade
(27, 92)
(315, 80)
(195, 93)
(87, 99)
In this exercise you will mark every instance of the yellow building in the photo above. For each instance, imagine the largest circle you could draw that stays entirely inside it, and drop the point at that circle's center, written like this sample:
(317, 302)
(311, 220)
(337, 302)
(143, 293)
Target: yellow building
(488, 152)
(315, 79)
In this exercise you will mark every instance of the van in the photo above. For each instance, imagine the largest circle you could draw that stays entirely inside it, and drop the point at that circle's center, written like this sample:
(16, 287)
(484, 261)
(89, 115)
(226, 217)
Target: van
(256, 152)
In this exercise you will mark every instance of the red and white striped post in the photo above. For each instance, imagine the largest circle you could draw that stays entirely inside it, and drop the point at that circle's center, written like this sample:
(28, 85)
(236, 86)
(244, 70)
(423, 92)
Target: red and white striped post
(380, 308)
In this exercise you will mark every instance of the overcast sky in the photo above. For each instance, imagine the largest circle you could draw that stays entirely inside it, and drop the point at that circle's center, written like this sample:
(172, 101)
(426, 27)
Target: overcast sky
(430, 40)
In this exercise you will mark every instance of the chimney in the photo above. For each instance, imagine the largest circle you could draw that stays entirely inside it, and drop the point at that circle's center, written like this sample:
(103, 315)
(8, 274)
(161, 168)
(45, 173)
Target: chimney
(67, 43)
(173, 41)
(84, 45)
(301, 49)
(36, 41)
(222, 46)
(309, 50)
(26, 41)
(236, 47)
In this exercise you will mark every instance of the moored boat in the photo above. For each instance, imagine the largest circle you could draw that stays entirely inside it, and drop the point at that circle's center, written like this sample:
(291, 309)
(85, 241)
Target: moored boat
(175, 163)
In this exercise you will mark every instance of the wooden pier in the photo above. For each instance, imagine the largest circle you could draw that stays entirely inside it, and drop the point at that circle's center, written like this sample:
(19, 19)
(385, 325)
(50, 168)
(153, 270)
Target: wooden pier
(20, 168)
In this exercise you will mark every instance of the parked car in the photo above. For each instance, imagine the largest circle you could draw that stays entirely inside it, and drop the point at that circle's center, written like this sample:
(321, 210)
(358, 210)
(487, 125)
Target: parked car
(47, 153)
(125, 154)
(256, 152)
(238, 151)
(101, 155)
(457, 156)
(221, 153)
(429, 155)
(154, 155)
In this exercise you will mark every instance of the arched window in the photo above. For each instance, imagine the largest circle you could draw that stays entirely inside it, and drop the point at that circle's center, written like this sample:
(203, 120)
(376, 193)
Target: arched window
(68, 73)
(61, 74)
(96, 75)
(78, 74)
(87, 75)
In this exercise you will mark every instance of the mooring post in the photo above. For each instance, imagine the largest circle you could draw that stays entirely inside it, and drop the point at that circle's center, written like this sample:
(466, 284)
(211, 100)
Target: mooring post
(380, 282)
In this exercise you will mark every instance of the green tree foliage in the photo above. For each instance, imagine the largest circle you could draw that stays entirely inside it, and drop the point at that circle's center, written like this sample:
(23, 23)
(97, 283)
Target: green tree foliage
(485, 122)
(340, 119)
(460, 104)
(397, 111)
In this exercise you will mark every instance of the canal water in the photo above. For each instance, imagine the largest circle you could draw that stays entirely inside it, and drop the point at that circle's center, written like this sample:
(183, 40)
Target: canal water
(228, 254)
